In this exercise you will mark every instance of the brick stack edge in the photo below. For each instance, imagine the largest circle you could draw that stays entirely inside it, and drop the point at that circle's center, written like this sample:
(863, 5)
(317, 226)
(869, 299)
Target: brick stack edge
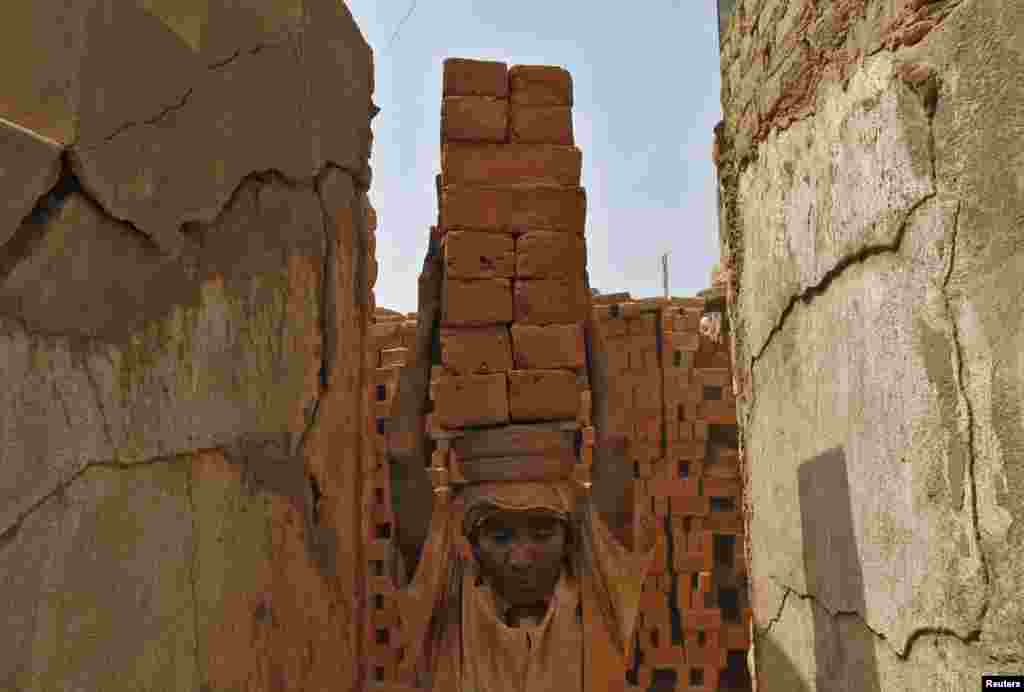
(391, 347)
(669, 391)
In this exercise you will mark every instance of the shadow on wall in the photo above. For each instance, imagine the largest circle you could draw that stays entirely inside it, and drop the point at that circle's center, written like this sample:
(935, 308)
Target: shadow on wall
(844, 651)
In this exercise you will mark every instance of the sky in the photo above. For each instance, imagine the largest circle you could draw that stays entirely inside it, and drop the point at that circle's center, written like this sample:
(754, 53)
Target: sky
(646, 99)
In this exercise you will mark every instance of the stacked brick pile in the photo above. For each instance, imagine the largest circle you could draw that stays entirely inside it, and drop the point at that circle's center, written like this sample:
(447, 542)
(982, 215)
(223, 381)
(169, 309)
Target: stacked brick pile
(391, 347)
(668, 389)
(514, 299)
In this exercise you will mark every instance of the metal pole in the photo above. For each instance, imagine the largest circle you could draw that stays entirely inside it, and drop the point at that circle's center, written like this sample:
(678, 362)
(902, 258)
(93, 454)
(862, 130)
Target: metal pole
(664, 273)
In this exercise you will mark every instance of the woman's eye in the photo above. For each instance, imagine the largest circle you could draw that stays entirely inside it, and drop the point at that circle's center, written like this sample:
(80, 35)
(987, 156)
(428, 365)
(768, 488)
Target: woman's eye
(501, 537)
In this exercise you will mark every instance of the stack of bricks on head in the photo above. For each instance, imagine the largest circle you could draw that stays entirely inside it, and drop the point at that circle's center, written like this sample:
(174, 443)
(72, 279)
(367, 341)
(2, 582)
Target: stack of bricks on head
(669, 390)
(511, 396)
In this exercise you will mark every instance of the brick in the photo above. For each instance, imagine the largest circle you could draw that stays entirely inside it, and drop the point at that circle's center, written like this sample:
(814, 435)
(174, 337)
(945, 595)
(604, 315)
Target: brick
(476, 302)
(394, 356)
(466, 77)
(476, 349)
(690, 505)
(717, 487)
(717, 412)
(549, 346)
(696, 449)
(713, 377)
(519, 208)
(700, 430)
(512, 440)
(519, 468)
(735, 637)
(461, 401)
(550, 254)
(384, 336)
(540, 85)
(550, 301)
(474, 119)
(496, 164)
(540, 124)
(682, 341)
(479, 255)
(542, 395)
(708, 620)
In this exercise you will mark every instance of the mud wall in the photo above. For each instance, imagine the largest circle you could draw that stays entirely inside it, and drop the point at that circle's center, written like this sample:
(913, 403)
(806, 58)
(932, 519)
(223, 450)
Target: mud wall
(872, 206)
(184, 240)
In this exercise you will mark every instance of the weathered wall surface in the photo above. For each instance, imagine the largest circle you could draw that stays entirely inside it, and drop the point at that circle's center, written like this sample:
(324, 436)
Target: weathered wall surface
(873, 221)
(183, 276)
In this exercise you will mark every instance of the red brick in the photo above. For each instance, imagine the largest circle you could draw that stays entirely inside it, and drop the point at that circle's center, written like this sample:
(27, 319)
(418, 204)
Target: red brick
(466, 77)
(480, 163)
(707, 620)
(548, 467)
(540, 85)
(512, 440)
(461, 401)
(479, 255)
(712, 377)
(475, 303)
(682, 341)
(550, 301)
(476, 349)
(550, 254)
(696, 449)
(542, 395)
(735, 637)
(717, 412)
(717, 487)
(474, 119)
(394, 356)
(540, 124)
(549, 346)
(519, 208)
(690, 505)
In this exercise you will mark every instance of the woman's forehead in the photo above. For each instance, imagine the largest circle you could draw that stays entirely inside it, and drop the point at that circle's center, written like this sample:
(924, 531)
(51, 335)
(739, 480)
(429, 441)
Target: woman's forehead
(512, 518)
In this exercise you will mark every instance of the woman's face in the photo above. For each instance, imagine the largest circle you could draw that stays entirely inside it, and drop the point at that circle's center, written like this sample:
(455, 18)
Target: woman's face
(522, 554)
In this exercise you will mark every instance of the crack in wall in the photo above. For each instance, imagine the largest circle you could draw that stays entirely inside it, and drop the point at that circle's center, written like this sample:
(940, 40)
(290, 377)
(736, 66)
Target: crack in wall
(903, 654)
(200, 674)
(961, 377)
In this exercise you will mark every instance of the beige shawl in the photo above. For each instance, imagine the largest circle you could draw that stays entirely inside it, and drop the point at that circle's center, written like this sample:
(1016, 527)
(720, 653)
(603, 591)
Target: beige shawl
(454, 632)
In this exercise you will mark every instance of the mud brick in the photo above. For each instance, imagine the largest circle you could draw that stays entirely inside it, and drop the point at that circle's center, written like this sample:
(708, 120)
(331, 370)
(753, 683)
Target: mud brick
(651, 599)
(549, 467)
(382, 514)
(542, 395)
(466, 77)
(659, 505)
(384, 618)
(722, 471)
(550, 301)
(711, 656)
(649, 452)
(394, 356)
(717, 487)
(689, 505)
(474, 119)
(476, 303)
(548, 347)
(645, 470)
(384, 336)
(540, 85)
(461, 401)
(644, 676)
(718, 412)
(721, 359)
(499, 164)
(660, 557)
(688, 413)
(680, 487)
(550, 254)
(479, 255)
(540, 124)
(685, 431)
(519, 208)
(476, 349)
(682, 341)
(713, 377)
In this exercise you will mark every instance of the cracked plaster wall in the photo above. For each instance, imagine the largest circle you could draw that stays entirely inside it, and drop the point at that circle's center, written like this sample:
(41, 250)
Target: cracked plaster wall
(186, 252)
(872, 209)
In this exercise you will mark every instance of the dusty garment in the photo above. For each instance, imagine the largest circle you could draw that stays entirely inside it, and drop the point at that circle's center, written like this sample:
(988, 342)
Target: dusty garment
(454, 626)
